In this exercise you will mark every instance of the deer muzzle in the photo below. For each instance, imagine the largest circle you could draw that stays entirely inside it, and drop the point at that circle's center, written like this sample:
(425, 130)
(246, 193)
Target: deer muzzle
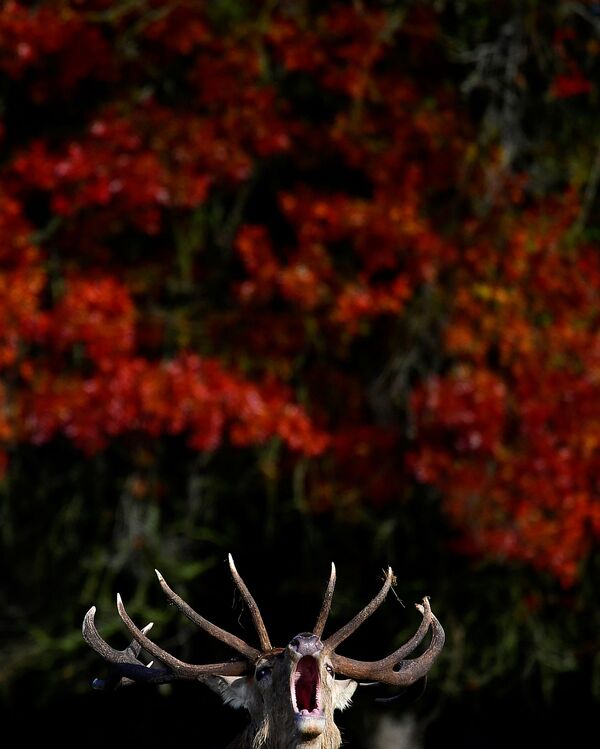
(305, 684)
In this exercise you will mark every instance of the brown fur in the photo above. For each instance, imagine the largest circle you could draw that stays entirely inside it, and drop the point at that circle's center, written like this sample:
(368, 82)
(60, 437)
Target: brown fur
(268, 700)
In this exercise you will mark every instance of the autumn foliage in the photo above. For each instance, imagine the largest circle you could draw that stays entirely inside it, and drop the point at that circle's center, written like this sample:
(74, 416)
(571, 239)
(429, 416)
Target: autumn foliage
(354, 243)
(216, 241)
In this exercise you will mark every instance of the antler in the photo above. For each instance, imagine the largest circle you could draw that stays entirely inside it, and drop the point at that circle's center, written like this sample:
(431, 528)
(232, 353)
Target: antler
(334, 640)
(326, 605)
(179, 668)
(128, 666)
(395, 669)
(265, 642)
(220, 634)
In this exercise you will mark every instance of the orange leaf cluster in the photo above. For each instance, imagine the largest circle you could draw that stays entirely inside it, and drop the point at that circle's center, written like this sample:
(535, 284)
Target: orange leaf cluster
(516, 449)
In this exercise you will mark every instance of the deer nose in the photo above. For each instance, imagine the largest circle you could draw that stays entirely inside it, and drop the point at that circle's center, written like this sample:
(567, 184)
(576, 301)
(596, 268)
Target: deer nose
(306, 644)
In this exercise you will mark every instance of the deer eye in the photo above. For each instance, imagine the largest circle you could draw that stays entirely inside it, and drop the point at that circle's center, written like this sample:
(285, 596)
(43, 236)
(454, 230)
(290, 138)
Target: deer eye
(329, 669)
(262, 672)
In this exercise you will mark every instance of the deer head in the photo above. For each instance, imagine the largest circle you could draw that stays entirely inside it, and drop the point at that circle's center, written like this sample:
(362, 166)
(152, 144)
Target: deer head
(291, 693)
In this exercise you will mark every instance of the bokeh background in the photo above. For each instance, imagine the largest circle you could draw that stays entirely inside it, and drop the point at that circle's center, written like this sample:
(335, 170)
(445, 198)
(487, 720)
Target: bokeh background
(302, 281)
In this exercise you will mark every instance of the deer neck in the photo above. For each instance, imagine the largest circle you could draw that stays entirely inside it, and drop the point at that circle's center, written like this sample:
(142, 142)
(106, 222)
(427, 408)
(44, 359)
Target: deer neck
(252, 738)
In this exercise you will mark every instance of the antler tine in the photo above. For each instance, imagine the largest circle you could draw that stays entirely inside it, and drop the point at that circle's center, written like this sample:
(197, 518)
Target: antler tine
(180, 669)
(394, 669)
(326, 605)
(95, 641)
(334, 640)
(125, 663)
(220, 634)
(265, 642)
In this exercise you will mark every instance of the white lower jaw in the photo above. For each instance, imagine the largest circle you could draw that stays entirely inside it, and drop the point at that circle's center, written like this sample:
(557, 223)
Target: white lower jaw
(310, 724)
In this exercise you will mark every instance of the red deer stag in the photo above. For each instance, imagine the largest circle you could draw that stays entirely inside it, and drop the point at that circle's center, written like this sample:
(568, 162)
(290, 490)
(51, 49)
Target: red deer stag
(290, 692)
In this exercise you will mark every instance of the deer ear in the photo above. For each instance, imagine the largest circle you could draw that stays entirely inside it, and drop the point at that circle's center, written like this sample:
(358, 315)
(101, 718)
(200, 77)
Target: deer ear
(236, 691)
(343, 689)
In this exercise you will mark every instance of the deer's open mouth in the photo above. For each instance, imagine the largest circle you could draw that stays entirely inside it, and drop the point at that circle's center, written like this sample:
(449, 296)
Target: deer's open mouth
(306, 687)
